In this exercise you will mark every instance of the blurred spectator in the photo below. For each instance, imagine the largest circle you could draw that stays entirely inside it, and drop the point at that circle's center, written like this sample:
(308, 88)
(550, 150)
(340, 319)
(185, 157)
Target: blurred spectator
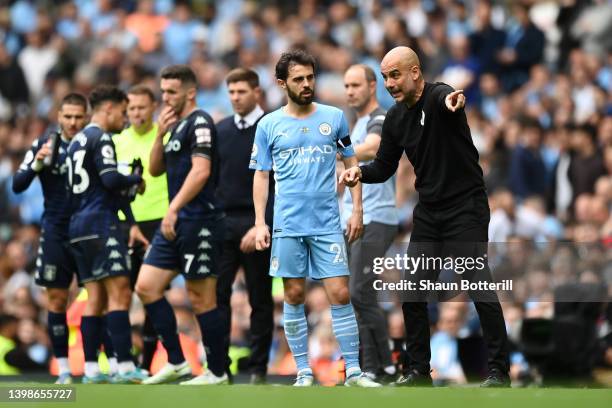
(527, 170)
(146, 25)
(180, 33)
(444, 350)
(486, 41)
(586, 165)
(13, 87)
(524, 48)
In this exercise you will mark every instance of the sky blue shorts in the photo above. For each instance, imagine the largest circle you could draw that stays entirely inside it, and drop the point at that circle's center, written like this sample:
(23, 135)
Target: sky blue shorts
(317, 257)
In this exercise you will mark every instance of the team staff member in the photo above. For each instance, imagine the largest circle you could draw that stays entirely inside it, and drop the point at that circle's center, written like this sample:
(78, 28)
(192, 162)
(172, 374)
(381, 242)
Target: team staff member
(429, 124)
(379, 225)
(136, 142)
(235, 194)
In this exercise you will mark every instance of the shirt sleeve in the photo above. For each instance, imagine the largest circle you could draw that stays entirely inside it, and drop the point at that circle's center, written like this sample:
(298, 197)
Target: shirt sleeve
(25, 174)
(202, 135)
(105, 157)
(387, 158)
(439, 94)
(375, 124)
(261, 154)
(343, 138)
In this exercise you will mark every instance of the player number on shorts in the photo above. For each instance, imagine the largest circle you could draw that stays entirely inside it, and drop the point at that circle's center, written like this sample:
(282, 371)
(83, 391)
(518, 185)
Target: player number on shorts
(188, 261)
(339, 251)
(78, 170)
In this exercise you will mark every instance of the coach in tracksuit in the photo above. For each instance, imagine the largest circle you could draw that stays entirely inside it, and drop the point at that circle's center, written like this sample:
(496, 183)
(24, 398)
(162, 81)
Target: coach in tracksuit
(235, 193)
(429, 124)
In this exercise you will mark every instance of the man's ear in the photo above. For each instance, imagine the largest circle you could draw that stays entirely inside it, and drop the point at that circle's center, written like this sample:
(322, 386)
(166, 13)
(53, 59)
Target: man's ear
(191, 92)
(281, 83)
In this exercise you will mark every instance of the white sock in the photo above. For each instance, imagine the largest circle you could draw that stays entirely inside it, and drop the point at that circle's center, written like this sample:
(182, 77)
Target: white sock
(391, 370)
(353, 371)
(126, 366)
(113, 367)
(63, 365)
(92, 368)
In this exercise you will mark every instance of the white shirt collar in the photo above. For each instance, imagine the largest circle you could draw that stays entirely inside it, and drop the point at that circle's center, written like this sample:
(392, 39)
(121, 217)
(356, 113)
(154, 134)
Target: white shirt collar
(250, 118)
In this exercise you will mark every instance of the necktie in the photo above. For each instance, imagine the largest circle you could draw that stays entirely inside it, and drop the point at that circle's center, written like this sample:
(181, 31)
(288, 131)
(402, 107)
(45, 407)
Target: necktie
(242, 124)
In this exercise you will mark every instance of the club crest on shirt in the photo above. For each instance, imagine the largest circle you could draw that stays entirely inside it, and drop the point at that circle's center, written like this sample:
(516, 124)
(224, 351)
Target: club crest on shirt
(325, 129)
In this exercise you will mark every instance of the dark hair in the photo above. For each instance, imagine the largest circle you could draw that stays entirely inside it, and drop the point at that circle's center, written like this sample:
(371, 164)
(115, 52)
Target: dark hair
(106, 93)
(528, 122)
(74, 98)
(181, 72)
(142, 90)
(294, 57)
(6, 319)
(589, 130)
(243, 74)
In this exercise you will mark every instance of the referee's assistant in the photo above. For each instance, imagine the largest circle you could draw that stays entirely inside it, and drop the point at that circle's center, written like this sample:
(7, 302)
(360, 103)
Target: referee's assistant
(429, 124)
(135, 142)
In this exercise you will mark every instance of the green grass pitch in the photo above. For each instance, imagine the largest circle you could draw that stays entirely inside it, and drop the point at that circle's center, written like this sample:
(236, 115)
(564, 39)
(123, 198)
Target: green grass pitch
(245, 396)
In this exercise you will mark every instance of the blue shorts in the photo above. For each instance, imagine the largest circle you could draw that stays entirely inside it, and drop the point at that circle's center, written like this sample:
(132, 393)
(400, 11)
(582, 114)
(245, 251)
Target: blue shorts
(55, 265)
(195, 251)
(100, 256)
(317, 257)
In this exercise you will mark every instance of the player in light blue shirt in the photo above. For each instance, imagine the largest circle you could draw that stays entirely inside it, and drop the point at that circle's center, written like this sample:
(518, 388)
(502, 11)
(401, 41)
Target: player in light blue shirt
(299, 142)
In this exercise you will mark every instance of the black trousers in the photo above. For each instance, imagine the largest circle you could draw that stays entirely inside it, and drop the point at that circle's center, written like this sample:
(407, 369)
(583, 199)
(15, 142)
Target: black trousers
(256, 267)
(457, 231)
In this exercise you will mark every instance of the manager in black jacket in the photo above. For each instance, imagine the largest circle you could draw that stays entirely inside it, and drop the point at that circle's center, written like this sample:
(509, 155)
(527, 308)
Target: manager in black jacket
(429, 124)
(235, 192)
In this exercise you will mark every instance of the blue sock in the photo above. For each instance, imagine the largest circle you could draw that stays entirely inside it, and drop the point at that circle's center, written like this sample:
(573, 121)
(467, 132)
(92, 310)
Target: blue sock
(296, 332)
(58, 333)
(109, 350)
(120, 333)
(212, 325)
(164, 321)
(347, 335)
(91, 332)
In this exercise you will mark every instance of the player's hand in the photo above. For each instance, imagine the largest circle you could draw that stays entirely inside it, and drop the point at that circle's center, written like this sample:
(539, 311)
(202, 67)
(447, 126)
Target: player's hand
(354, 226)
(168, 223)
(136, 235)
(247, 243)
(44, 151)
(142, 187)
(262, 237)
(167, 118)
(455, 100)
(350, 177)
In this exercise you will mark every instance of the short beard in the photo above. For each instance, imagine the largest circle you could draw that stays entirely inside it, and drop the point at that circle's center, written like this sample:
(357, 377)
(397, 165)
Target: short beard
(300, 100)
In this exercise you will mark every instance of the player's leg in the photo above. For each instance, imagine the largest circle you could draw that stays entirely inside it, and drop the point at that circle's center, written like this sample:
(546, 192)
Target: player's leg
(158, 269)
(259, 287)
(119, 328)
(55, 271)
(91, 330)
(202, 295)
(150, 287)
(290, 261)
(328, 261)
(57, 327)
(373, 331)
(201, 244)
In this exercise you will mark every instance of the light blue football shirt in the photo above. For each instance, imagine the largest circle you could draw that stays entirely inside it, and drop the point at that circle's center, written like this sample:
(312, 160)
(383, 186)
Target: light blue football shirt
(302, 154)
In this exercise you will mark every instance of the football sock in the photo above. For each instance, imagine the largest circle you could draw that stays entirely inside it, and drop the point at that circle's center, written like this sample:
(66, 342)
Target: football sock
(212, 326)
(164, 321)
(296, 332)
(347, 335)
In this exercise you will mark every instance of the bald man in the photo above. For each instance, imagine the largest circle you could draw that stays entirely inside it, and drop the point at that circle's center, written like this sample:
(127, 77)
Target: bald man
(380, 222)
(429, 124)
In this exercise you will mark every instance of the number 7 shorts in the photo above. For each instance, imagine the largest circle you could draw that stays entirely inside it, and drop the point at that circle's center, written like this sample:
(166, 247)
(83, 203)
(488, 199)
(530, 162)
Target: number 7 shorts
(195, 251)
(317, 257)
